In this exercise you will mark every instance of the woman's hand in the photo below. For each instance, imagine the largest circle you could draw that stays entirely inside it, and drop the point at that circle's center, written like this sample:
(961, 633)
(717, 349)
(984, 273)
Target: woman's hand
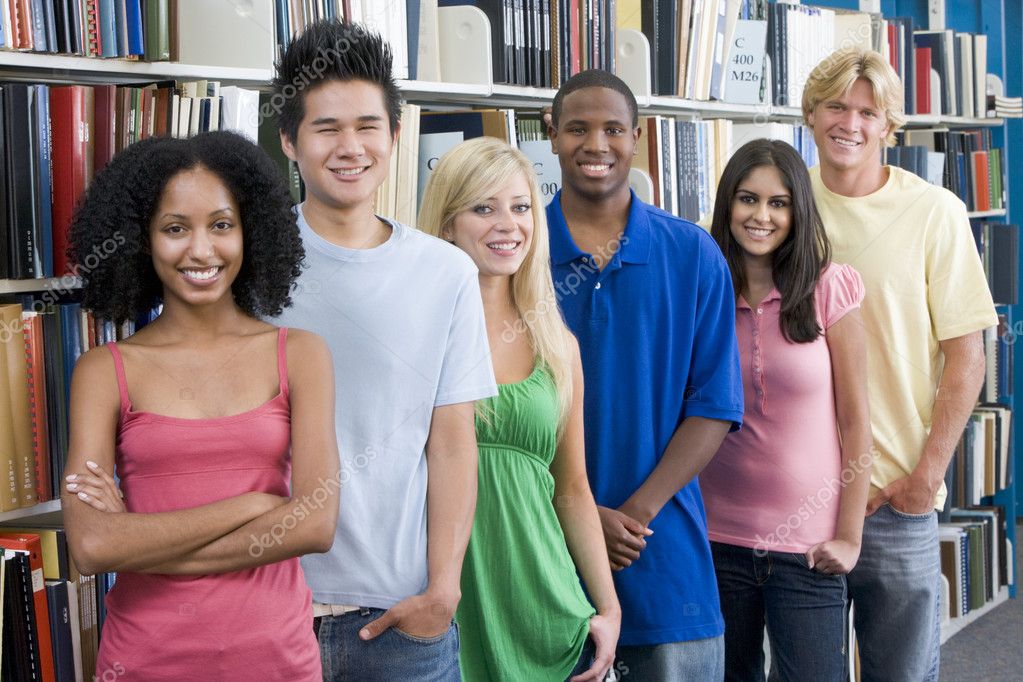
(834, 557)
(96, 488)
(604, 633)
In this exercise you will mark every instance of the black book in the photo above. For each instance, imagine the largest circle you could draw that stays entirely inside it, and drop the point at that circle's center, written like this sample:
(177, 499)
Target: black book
(6, 238)
(60, 630)
(1004, 275)
(21, 659)
(25, 249)
(658, 21)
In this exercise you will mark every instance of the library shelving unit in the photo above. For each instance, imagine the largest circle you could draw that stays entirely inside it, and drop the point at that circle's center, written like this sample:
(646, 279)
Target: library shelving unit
(999, 19)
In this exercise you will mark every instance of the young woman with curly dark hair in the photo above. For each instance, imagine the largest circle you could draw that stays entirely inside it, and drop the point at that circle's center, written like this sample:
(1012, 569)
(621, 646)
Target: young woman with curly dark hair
(219, 425)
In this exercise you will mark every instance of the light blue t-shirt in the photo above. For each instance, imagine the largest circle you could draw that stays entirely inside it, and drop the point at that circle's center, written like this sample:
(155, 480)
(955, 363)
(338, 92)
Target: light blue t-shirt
(404, 322)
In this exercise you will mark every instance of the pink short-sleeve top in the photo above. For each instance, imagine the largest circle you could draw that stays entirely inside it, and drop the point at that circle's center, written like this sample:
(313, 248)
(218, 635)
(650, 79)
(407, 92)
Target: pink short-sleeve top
(775, 484)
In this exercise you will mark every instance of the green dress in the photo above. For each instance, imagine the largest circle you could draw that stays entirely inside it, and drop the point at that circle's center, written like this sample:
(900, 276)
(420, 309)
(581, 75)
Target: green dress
(523, 613)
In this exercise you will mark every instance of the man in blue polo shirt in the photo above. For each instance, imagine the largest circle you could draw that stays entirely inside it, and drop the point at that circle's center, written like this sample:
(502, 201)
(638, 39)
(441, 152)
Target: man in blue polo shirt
(650, 299)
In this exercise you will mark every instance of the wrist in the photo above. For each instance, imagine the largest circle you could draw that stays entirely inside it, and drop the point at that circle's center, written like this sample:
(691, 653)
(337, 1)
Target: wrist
(443, 597)
(637, 508)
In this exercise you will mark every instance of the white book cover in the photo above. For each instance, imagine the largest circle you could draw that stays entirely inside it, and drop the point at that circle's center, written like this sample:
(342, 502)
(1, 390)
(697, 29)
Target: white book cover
(980, 73)
(241, 110)
(226, 33)
(431, 147)
(967, 97)
(546, 165)
(745, 65)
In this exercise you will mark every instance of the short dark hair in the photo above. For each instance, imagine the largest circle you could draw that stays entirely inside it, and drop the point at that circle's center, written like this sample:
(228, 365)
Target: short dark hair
(799, 261)
(114, 216)
(329, 50)
(594, 78)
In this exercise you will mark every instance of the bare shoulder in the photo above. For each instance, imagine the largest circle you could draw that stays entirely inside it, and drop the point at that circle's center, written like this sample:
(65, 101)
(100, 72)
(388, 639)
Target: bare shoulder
(95, 373)
(304, 341)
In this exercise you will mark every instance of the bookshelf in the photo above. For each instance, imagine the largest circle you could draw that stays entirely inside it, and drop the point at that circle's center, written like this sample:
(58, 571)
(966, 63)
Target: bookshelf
(58, 69)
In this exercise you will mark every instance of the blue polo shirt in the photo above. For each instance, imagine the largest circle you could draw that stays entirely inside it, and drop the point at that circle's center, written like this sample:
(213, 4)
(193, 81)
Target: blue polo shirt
(656, 329)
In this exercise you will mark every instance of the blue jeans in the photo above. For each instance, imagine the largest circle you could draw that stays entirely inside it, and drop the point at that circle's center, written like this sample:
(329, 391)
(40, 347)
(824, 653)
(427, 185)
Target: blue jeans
(699, 660)
(804, 611)
(585, 659)
(895, 589)
(391, 656)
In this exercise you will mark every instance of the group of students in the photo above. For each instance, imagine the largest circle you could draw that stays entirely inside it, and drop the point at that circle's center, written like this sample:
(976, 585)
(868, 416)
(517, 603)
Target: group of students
(409, 416)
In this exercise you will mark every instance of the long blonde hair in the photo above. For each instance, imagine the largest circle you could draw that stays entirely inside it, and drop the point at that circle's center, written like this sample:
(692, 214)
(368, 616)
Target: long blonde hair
(468, 174)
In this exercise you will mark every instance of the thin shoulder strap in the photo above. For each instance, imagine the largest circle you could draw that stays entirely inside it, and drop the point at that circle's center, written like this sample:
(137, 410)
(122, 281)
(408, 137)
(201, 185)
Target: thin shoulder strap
(282, 359)
(122, 382)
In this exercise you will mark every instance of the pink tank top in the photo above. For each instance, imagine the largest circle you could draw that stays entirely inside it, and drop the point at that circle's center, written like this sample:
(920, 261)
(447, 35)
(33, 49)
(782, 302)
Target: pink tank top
(244, 625)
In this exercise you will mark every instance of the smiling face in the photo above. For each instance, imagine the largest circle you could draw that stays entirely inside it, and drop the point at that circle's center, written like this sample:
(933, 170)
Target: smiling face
(849, 129)
(344, 144)
(195, 238)
(595, 142)
(496, 231)
(761, 213)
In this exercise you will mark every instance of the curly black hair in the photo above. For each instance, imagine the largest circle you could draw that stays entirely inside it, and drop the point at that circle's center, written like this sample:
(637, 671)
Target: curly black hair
(329, 50)
(109, 237)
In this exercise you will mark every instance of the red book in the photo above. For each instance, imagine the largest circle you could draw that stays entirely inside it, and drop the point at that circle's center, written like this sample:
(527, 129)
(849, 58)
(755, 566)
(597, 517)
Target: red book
(894, 52)
(33, 329)
(923, 80)
(30, 543)
(21, 24)
(68, 156)
(981, 182)
(574, 37)
(105, 113)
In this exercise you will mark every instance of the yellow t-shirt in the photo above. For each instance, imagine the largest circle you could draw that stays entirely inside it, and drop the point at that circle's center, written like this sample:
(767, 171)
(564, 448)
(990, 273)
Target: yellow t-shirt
(911, 242)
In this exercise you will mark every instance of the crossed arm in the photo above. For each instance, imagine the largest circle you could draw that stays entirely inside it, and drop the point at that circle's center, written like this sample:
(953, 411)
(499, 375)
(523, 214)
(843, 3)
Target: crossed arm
(211, 538)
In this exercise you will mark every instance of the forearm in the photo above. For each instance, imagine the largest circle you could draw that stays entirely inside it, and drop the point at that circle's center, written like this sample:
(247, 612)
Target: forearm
(694, 444)
(451, 505)
(301, 526)
(857, 461)
(958, 389)
(577, 514)
(135, 541)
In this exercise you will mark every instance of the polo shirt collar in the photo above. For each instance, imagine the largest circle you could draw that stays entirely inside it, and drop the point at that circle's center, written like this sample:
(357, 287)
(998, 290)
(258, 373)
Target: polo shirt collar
(635, 246)
(774, 295)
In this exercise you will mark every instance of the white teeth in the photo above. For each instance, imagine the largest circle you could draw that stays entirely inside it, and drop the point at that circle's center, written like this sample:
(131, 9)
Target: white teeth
(504, 246)
(350, 171)
(845, 143)
(758, 232)
(201, 274)
(596, 168)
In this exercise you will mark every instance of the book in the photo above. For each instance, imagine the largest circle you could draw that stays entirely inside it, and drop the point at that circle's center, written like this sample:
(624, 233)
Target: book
(26, 542)
(15, 386)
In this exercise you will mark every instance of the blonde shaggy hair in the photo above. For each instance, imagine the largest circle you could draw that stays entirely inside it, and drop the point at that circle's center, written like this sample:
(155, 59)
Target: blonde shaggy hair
(470, 173)
(836, 74)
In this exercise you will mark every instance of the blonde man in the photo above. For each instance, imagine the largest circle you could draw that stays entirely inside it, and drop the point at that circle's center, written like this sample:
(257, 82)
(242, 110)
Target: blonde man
(926, 305)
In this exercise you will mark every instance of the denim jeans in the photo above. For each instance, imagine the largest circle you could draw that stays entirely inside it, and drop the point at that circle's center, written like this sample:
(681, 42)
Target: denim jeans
(391, 656)
(895, 589)
(804, 611)
(699, 660)
(585, 659)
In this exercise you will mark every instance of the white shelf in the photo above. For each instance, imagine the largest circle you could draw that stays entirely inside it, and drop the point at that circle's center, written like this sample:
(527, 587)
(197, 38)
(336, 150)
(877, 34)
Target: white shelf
(917, 120)
(22, 286)
(987, 214)
(27, 512)
(954, 626)
(75, 67)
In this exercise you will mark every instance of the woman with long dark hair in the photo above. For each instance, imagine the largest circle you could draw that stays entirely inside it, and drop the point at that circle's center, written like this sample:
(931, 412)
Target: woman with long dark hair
(786, 495)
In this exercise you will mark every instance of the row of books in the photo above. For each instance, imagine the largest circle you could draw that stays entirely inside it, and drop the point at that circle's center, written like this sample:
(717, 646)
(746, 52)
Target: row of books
(52, 615)
(41, 342)
(966, 162)
(980, 466)
(976, 558)
(56, 137)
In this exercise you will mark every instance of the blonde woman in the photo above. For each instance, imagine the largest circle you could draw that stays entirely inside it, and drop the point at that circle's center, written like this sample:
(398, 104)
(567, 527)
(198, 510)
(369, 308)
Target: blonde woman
(523, 614)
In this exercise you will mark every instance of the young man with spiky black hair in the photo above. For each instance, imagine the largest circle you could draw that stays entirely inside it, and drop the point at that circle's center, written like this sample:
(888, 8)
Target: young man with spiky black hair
(402, 314)
(650, 298)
